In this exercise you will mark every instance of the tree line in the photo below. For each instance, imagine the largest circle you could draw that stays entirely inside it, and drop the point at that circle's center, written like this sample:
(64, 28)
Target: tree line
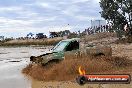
(118, 13)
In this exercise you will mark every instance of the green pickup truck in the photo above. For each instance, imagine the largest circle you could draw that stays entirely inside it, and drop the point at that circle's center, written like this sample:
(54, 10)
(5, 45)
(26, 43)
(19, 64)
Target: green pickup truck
(73, 45)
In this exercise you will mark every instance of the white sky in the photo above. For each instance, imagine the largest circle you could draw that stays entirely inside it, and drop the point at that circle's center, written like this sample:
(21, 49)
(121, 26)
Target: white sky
(19, 17)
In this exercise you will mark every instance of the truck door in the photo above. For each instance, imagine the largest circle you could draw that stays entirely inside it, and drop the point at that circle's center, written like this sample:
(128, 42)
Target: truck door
(71, 50)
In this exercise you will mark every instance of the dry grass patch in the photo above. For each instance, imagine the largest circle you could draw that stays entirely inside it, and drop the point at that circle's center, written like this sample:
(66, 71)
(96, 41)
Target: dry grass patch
(47, 41)
(68, 68)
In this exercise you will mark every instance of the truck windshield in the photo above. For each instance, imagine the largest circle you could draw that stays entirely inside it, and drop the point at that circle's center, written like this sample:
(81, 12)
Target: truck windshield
(60, 46)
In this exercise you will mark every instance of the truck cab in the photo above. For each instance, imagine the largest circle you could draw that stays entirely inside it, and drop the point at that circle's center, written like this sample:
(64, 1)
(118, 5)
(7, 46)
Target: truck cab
(58, 51)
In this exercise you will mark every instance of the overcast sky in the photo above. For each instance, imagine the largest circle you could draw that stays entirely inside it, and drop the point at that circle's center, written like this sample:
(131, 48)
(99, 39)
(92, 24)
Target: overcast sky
(19, 17)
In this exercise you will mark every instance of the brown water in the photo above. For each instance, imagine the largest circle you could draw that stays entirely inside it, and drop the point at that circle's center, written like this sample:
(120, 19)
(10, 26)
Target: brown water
(12, 61)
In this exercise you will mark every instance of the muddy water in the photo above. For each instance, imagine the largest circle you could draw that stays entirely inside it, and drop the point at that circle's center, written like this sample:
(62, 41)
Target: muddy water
(12, 60)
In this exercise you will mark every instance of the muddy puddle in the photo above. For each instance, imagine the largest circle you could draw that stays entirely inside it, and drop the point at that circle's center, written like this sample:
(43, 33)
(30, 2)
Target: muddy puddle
(12, 61)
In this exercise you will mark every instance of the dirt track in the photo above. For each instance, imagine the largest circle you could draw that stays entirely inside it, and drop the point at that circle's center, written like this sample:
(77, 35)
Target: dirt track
(69, 84)
(122, 50)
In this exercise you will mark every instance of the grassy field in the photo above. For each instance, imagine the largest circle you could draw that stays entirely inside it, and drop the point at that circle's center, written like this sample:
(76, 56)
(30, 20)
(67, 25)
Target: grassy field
(26, 42)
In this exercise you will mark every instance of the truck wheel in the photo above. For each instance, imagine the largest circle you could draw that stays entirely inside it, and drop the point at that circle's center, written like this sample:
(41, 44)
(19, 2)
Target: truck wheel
(100, 54)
